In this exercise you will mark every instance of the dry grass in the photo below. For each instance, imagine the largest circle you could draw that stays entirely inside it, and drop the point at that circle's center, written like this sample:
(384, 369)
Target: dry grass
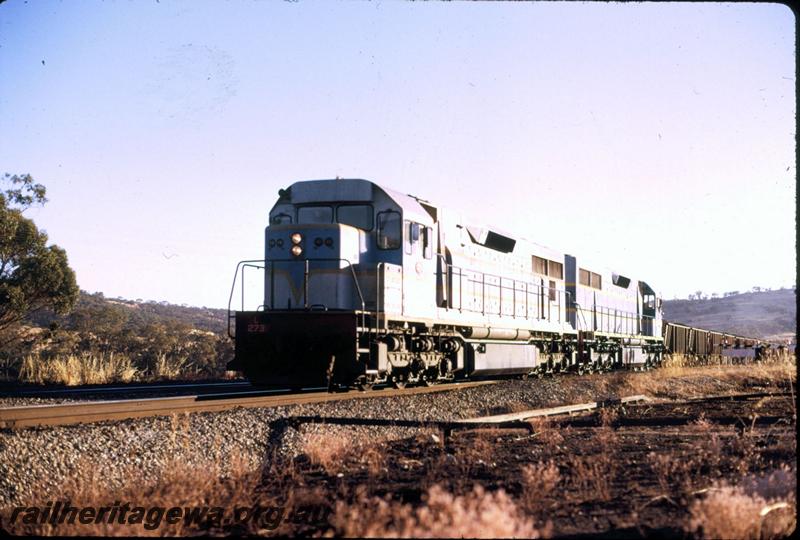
(545, 429)
(327, 449)
(516, 406)
(169, 367)
(539, 480)
(98, 368)
(591, 476)
(374, 459)
(673, 472)
(760, 507)
(79, 369)
(471, 458)
(211, 484)
(478, 514)
(681, 472)
(677, 379)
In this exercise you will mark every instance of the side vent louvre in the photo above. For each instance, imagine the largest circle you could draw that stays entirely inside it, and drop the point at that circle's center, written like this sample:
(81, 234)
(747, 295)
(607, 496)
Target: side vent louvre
(492, 240)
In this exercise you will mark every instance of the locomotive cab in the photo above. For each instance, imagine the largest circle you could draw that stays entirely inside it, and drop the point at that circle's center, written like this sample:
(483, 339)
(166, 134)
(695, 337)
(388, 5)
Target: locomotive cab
(335, 252)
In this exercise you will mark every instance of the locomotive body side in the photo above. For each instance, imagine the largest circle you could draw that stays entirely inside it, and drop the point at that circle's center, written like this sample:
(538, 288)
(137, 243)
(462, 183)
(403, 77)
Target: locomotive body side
(364, 284)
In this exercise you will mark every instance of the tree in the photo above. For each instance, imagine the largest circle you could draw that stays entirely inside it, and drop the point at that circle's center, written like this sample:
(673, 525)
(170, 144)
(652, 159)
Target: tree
(33, 275)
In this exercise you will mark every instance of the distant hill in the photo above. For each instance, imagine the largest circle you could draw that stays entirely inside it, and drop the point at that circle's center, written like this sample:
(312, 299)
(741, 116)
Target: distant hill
(753, 314)
(155, 340)
(140, 313)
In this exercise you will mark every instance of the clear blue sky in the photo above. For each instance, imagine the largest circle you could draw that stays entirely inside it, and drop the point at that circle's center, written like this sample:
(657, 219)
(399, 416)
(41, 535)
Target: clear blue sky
(657, 138)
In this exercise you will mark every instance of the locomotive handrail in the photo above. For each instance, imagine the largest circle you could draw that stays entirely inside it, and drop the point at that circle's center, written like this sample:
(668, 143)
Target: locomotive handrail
(541, 312)
(242, 265)
(254, 263)
(307, 271)
(610, 319)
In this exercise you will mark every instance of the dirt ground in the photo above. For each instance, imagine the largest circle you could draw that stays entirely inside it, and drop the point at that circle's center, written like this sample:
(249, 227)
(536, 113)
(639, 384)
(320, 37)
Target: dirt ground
(678, 466)
(632, 470)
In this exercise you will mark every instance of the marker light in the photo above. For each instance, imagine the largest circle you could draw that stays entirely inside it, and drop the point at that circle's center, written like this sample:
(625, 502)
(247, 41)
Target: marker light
(297, 238)
(329, 241)
(272, 242)
(280, 242)
(297, 250)
(318, 241)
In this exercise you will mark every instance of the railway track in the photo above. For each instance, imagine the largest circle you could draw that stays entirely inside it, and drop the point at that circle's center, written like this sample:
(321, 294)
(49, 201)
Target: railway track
(15, 391)
(98, 411)
(578, 415)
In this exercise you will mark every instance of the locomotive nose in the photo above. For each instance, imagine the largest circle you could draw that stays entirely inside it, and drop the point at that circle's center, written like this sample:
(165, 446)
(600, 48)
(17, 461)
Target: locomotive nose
(310, 266)
(314, 242)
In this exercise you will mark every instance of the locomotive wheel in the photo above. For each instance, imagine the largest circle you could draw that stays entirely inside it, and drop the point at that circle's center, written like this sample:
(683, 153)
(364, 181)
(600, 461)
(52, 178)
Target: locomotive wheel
(398, 383)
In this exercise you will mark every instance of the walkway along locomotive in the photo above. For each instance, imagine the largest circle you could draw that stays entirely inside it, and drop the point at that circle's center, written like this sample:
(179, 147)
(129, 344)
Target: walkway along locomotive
(365, 285)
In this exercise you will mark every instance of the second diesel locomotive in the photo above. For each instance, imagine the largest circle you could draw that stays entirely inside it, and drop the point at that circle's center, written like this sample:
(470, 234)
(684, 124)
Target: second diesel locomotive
(365, 285)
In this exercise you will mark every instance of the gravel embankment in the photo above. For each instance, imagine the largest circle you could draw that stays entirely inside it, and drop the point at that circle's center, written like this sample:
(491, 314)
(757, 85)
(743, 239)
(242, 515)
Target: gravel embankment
(35, 461)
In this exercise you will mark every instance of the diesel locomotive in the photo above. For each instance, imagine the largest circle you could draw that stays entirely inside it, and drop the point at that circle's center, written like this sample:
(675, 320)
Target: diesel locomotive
(366, 285)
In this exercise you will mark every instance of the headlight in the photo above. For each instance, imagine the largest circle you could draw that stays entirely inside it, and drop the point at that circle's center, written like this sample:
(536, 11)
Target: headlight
(272, 242)
(280, 242)
(297, 238)
(318, 241)
(329, 241)
(296, 251)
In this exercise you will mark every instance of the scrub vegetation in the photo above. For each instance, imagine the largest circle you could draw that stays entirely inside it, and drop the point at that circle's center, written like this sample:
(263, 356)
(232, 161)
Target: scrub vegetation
(114, 341)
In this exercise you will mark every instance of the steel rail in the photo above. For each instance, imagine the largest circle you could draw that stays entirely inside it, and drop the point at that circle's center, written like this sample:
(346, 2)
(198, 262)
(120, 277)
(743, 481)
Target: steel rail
(30, 391)
(82, 413)
(552, 411)
(570, 416)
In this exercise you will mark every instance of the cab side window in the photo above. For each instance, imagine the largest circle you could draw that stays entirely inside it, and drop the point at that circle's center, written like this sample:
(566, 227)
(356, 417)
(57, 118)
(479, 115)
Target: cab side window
(411, 237)
(427, 242)
(415, 234)
(389, 230)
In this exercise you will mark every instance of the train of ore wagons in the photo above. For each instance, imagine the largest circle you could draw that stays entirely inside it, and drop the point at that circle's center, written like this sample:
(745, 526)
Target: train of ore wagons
(364, 285)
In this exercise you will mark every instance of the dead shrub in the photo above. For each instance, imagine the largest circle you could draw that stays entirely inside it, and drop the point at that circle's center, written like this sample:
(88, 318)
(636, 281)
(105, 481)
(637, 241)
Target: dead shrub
(327, 449)
(374, 459)
(606, 438)
(671, 471)
(546, 431)
(77, 369)
(608, 415)
(228, 485)
(737, 513)
(169, 367)
(476, 452)
(516, 406)
(591, 476)
(478, 514)
(539, 480)
(777, 484)
(745, 447)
